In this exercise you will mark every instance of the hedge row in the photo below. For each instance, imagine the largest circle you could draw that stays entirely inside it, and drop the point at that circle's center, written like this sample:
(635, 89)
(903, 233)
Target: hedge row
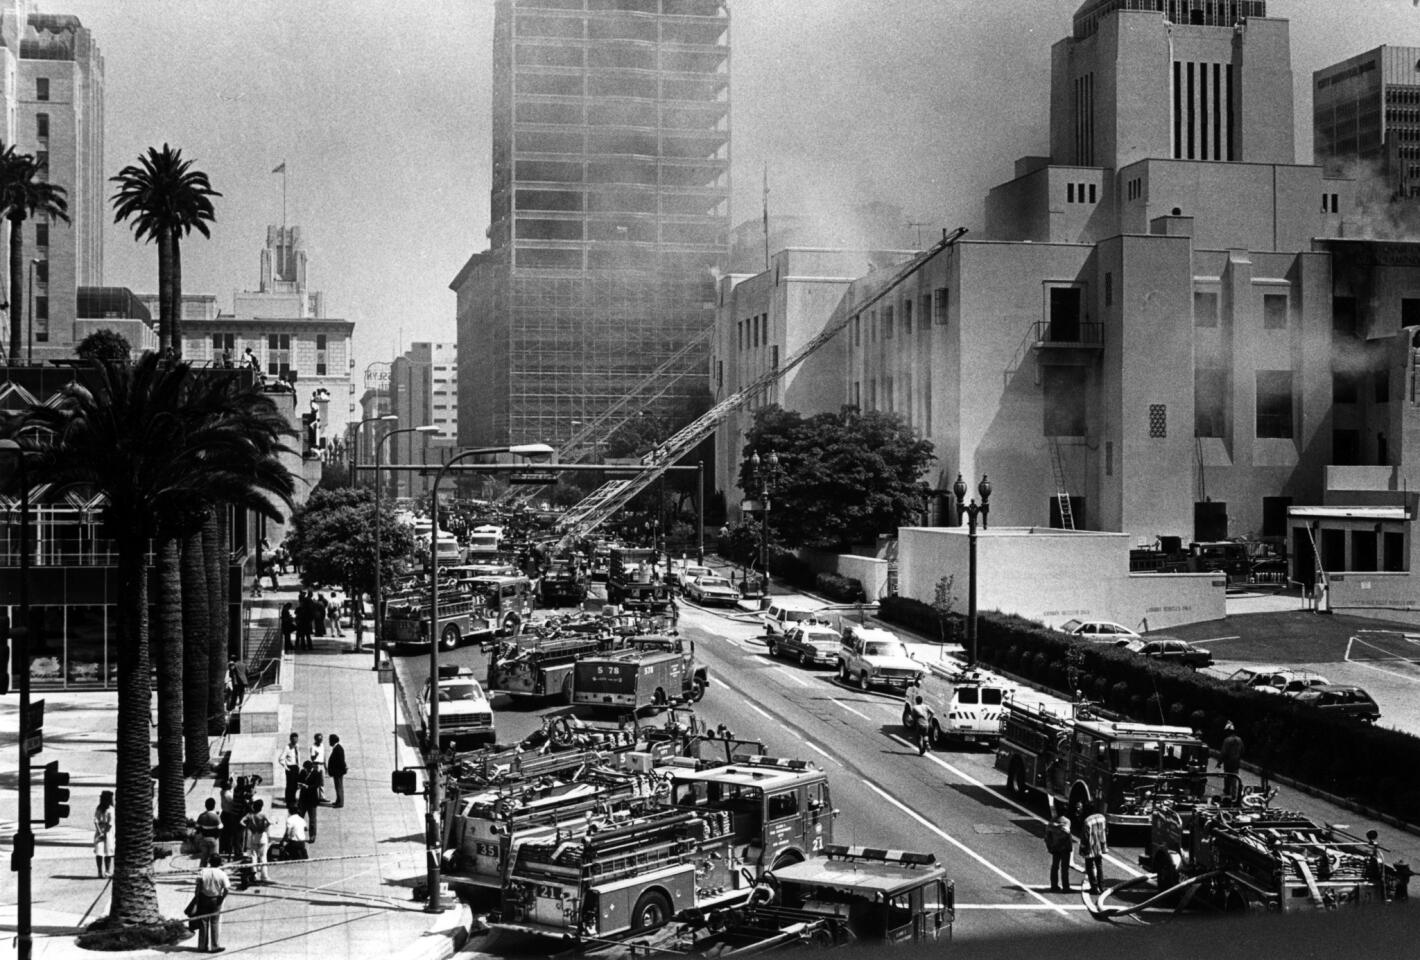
(921, 618)
(1371, 765)
(786, 565)
(841, 589)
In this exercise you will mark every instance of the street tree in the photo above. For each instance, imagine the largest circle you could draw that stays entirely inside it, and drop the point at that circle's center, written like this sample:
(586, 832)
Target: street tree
(332, 540)
(145, 435)
(843, 478)
(104, 345)
(24, 192)
(164, 199)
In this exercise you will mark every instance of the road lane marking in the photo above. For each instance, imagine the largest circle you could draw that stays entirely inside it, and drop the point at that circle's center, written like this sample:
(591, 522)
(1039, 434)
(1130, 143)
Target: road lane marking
(963, 847)
(813, 746)
(1001, 796)
(851, 710)
(758, 711)
(792, 676)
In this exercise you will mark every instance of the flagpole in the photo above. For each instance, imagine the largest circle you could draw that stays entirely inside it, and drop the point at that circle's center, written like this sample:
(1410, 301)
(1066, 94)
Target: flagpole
(283, 196)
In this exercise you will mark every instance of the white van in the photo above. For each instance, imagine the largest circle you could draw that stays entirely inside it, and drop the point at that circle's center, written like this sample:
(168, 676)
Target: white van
(964, 706)
(784, 612)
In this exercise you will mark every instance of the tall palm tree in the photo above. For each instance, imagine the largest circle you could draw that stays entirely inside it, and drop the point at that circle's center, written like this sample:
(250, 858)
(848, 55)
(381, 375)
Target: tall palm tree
(163, 199)
(147, 435)
(21, 197)
(169, 661)
(214, 555)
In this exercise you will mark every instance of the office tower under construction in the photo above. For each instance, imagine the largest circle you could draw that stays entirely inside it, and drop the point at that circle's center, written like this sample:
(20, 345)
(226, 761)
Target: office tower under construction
(610, 208)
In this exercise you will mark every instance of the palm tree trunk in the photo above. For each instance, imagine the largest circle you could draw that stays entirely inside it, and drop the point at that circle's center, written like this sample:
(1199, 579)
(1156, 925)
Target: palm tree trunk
(166, 320)
(172, 795)
(212, 557)
(194, 660)
(196, 631)
(223, 635)
(17, 281)
(135, 895)
(177, 294)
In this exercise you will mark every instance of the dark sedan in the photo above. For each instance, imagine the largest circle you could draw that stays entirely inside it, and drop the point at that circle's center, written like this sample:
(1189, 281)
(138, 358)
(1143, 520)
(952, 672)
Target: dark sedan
(1170, 650)
(1352, 703)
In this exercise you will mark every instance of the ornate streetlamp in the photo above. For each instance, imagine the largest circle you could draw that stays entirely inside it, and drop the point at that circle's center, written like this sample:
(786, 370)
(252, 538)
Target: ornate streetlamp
(972, 510)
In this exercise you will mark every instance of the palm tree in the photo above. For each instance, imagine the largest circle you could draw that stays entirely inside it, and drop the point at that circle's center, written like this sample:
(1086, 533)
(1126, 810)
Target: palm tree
(167, 629)
(163, 199)
(21, 197)
(214, 555)
(148, 435)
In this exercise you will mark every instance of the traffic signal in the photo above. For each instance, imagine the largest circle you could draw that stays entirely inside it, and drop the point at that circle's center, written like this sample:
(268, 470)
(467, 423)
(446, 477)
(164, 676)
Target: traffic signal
(56, 794)
(405, 782)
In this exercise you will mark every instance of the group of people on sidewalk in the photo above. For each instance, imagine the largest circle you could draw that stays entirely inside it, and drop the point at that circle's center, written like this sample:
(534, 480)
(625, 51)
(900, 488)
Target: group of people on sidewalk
(312, 615)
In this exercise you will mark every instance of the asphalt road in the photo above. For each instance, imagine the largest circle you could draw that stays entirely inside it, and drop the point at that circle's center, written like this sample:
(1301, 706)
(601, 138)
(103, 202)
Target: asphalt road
(951, 803)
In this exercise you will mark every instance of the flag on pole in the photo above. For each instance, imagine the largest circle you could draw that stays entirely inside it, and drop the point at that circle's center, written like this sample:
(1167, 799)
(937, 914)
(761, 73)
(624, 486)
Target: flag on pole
(280, 169)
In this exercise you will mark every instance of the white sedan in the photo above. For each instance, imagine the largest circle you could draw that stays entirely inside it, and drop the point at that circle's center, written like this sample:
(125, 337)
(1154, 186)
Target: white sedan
(708, 590)
(1100, 631)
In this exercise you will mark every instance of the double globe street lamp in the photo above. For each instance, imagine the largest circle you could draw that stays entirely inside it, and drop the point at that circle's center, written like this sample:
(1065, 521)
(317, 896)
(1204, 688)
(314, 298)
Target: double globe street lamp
(972, 511)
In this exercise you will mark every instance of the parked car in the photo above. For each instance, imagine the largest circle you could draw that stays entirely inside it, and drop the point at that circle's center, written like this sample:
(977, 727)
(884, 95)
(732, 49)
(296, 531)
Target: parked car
(679, 574)
(871, 655)
(807, 642)
(1102, 631)
(785, 612)
(1276, 679)
(710, 590)
(1170, 650)
(1352, 703)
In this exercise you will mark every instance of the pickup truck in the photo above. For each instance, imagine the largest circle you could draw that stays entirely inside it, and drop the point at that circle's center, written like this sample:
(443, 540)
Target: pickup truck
(465, 715)
(871, 655)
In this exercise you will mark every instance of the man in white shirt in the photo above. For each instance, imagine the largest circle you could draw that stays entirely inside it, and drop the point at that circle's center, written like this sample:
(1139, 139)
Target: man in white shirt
(290, 761)
(212, 888)
(296, 836)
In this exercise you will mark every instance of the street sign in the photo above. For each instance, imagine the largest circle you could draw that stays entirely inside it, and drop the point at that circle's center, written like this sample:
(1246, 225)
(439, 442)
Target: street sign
(32, 728)
(532, 479)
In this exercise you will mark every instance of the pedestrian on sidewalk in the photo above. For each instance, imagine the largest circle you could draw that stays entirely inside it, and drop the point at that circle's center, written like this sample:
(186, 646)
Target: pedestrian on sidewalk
(311, 782)
(322, 613)
(291, 763)
(209, 831)
(296, 836)
(1095, 845)
(237, 673)
(335, 766)
(258, 837)
(212, 888)
(1230, 759)
(305, 620)
(231, 841)
(1059, 842)
(288, 628)
(103, 834)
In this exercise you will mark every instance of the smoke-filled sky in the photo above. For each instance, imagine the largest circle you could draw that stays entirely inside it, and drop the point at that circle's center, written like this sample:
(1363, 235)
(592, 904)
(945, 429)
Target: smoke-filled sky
(382, 113)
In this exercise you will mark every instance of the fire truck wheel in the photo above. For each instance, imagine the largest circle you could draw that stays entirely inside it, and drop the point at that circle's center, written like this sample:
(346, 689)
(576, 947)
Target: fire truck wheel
(449, 638)
(652, 910)
(697, 689)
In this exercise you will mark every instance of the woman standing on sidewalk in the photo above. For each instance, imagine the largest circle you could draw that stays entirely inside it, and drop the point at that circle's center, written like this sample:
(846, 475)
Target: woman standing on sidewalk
(258, 830)
(103, 834)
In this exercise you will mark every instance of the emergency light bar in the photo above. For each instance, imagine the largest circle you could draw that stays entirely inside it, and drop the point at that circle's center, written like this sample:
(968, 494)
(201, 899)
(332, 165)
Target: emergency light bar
(905, 857)
(780, 762)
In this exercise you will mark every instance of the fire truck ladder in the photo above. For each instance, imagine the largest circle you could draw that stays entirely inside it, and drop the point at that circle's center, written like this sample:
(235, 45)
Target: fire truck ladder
(656, 385)
(1318, 566)
(608, 499)
(1057, 467)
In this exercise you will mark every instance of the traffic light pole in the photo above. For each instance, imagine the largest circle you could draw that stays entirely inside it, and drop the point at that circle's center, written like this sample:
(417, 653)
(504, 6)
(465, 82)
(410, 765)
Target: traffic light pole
(24, 834)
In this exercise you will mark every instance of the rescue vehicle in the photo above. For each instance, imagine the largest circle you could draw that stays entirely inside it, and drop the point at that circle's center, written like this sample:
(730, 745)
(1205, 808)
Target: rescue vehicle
(962, 706)
(652, 671)
(541, 666)
(461, 617)
(632, 580)
(1072, 754)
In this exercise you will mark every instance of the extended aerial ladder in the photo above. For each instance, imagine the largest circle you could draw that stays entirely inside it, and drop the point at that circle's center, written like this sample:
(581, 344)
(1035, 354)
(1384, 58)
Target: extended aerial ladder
(606, 500)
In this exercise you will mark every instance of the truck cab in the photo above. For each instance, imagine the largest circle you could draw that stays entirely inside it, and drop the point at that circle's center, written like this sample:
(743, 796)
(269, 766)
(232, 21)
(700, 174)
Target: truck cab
(465, 715)
(871, 656)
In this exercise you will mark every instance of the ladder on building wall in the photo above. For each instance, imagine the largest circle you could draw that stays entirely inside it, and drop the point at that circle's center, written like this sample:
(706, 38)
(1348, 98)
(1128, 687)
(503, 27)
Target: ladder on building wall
(1057, 467)
(588, 515)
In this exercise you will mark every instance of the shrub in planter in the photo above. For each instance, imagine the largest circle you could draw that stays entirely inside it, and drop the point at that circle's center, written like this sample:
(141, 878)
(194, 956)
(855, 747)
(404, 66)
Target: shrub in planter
(1119, 696)
(842, 589)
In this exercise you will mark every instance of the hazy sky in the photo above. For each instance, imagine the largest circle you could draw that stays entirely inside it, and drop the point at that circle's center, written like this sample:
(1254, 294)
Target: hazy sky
(382, 113)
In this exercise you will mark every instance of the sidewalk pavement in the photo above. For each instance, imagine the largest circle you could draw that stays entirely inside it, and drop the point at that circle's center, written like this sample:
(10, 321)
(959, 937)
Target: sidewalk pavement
(352, 899)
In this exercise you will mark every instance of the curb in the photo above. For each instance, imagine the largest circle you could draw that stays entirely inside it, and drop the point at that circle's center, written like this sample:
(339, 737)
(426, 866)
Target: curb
(445, 937)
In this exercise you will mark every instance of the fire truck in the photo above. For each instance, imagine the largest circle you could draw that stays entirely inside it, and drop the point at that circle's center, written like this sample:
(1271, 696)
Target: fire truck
(541, 667)
(618, 876)
(633, 583)
(652, 671)
(561, 585)
(1074, 756)
(1248, 855)
(460, 617)
(851, 896)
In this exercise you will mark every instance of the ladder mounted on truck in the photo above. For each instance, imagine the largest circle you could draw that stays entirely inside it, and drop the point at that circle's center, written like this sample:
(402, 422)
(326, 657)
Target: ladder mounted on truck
(606, 500)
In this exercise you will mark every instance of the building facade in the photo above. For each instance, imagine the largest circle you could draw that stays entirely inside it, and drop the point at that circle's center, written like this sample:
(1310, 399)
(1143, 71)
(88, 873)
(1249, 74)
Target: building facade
(611, 152)
(53, 85)
(1366, 119)
(423, 391)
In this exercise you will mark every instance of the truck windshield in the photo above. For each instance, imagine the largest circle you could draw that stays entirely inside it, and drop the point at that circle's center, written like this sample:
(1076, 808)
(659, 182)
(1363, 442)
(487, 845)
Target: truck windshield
(449, 692)
(1154, 755)
(885, 648)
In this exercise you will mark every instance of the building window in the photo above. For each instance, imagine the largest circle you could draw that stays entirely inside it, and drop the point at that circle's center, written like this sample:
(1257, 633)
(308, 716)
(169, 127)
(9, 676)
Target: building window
(907, 317)
(1274, 404)
(1410, 312)
(873, 326)
(1092, 193)
(1109, 289)
(925, 313)
(940, 304)
(857, 331)
(41, 319)
(887, 323)
(857, 394)
(1205, 308)
(1063, 396)
(223, 343)
(1069, 193)
(321, 355)
(41, 88)
(887, 394)
(873, 393)
(41, 234)
(1158, 421)
(1064, 306)
(42, 126)
(1210, 401)
(278, 354)
(1274, 311)
(774, 356)
(42, 272)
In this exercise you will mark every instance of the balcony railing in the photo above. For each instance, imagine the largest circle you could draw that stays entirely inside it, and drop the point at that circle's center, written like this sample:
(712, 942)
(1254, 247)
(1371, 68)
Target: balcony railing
(1059, 334)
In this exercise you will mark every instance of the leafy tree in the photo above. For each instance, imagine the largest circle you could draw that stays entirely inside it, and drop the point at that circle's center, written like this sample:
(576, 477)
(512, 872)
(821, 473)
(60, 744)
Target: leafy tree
(21, 197)
(105, 345)
(843, 478)
(334, 474)
(165, 199)
(147, 435)
(942, 603)
(333, 541)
